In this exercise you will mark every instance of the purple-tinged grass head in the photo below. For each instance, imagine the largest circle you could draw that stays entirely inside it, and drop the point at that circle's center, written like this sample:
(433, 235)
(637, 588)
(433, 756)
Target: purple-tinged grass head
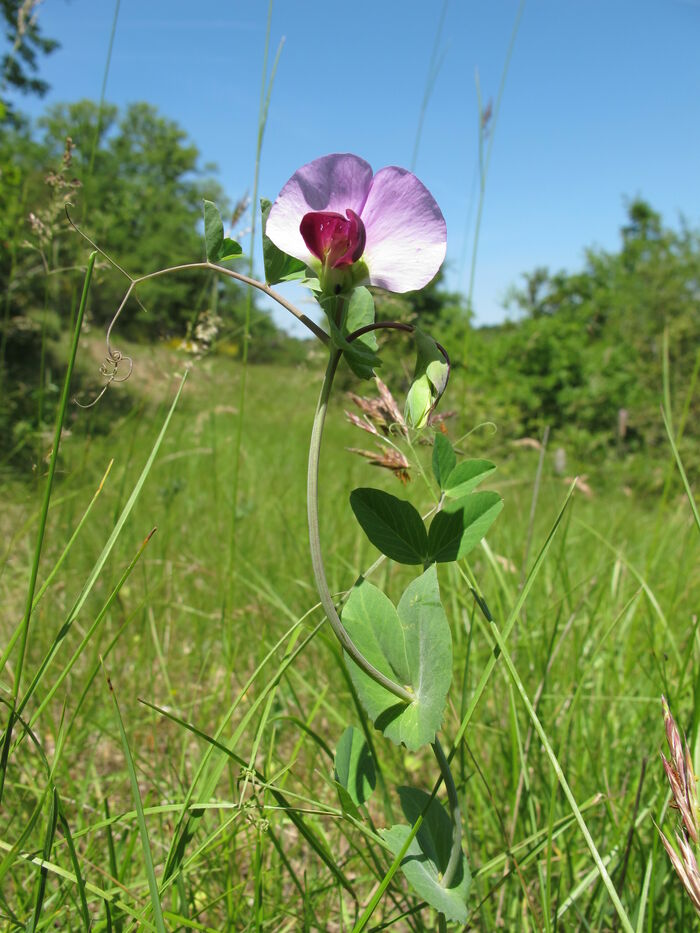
(334, 213)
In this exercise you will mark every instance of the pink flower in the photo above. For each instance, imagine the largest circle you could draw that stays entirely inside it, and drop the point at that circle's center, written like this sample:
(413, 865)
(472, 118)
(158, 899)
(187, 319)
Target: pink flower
(334, 213)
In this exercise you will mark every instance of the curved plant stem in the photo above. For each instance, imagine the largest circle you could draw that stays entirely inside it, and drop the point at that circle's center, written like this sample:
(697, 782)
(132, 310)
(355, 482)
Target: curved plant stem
(392, 325)
(239, 277)
(315, 542)
(456, 851)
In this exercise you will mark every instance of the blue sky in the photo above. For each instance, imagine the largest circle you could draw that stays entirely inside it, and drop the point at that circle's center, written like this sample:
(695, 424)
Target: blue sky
(601, 102)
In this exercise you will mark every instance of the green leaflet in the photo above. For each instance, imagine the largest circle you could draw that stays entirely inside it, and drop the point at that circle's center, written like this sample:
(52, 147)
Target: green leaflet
(361, 354)
(412, 645)
(428, 854)
(461, 525)
(393, 525)
(279, 267)
(444, 459)
(467, 476)
(218, 247)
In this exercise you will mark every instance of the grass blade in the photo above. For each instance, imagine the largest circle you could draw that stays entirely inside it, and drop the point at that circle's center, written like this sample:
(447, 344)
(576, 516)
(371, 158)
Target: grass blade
(138, 804)
(679, 464)
(57, 566)
(121, 521)
(510, 622)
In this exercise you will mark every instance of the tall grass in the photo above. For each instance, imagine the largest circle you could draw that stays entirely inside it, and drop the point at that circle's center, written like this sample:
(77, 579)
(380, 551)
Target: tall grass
(231, 756)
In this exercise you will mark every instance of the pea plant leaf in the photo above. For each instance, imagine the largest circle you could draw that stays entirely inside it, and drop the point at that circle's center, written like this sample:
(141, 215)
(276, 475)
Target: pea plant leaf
(444, 459)
(467, 476)
(354, 766)
(360, 355)
(279, 267)
(229, 249)
(461, 524)
(428, 854)
(412, 645)
(393, 525)
(218, 247)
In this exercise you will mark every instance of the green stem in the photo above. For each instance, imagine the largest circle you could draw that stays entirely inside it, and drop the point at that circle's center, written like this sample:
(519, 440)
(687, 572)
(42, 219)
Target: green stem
(315, 541)
(456, 851)
(265, 92)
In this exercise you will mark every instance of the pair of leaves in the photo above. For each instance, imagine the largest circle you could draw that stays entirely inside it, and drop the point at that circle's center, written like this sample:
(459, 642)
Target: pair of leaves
(428, 854)
(457, 480)
(218, 247)
(429, 380)
(396, 528)
(411, 644)
(426, 859)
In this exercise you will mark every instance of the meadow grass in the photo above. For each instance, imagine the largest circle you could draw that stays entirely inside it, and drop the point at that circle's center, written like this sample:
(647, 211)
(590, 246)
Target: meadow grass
(172, 765)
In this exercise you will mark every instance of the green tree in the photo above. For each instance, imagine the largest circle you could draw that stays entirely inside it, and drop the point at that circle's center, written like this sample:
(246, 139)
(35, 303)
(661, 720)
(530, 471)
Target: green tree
(19, 66)
(134, 185)
(588, 344)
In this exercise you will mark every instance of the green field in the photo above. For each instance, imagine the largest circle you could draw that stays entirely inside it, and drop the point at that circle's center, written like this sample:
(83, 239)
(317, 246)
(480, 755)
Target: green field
(230, 640)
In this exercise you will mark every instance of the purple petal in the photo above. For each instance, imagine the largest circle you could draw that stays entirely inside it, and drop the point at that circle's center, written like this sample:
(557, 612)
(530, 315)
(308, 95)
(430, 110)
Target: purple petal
(333, 183)
(332, 238)
(406, 232)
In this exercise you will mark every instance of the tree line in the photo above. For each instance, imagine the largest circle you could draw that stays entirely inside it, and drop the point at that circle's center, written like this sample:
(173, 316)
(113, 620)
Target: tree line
(582, 353)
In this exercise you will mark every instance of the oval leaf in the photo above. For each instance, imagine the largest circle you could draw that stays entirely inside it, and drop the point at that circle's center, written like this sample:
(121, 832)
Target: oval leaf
(444, 459)
(461, 525)
(229, 250)
(467, 476)
(428, 854)
(413, 646)
(218, 247)
(358, 355)
(213, 231)
(359, 313)
(393, 525)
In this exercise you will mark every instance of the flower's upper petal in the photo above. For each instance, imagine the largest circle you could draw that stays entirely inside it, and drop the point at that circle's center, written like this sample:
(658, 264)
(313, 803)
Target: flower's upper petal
(333, 183)
(406, 232)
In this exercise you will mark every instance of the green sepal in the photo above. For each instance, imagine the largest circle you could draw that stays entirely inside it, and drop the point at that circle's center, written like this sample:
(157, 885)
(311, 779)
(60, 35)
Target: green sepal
(354, 767)
(279, 267)
(412, 645)
(428, 854)
(218, 247)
